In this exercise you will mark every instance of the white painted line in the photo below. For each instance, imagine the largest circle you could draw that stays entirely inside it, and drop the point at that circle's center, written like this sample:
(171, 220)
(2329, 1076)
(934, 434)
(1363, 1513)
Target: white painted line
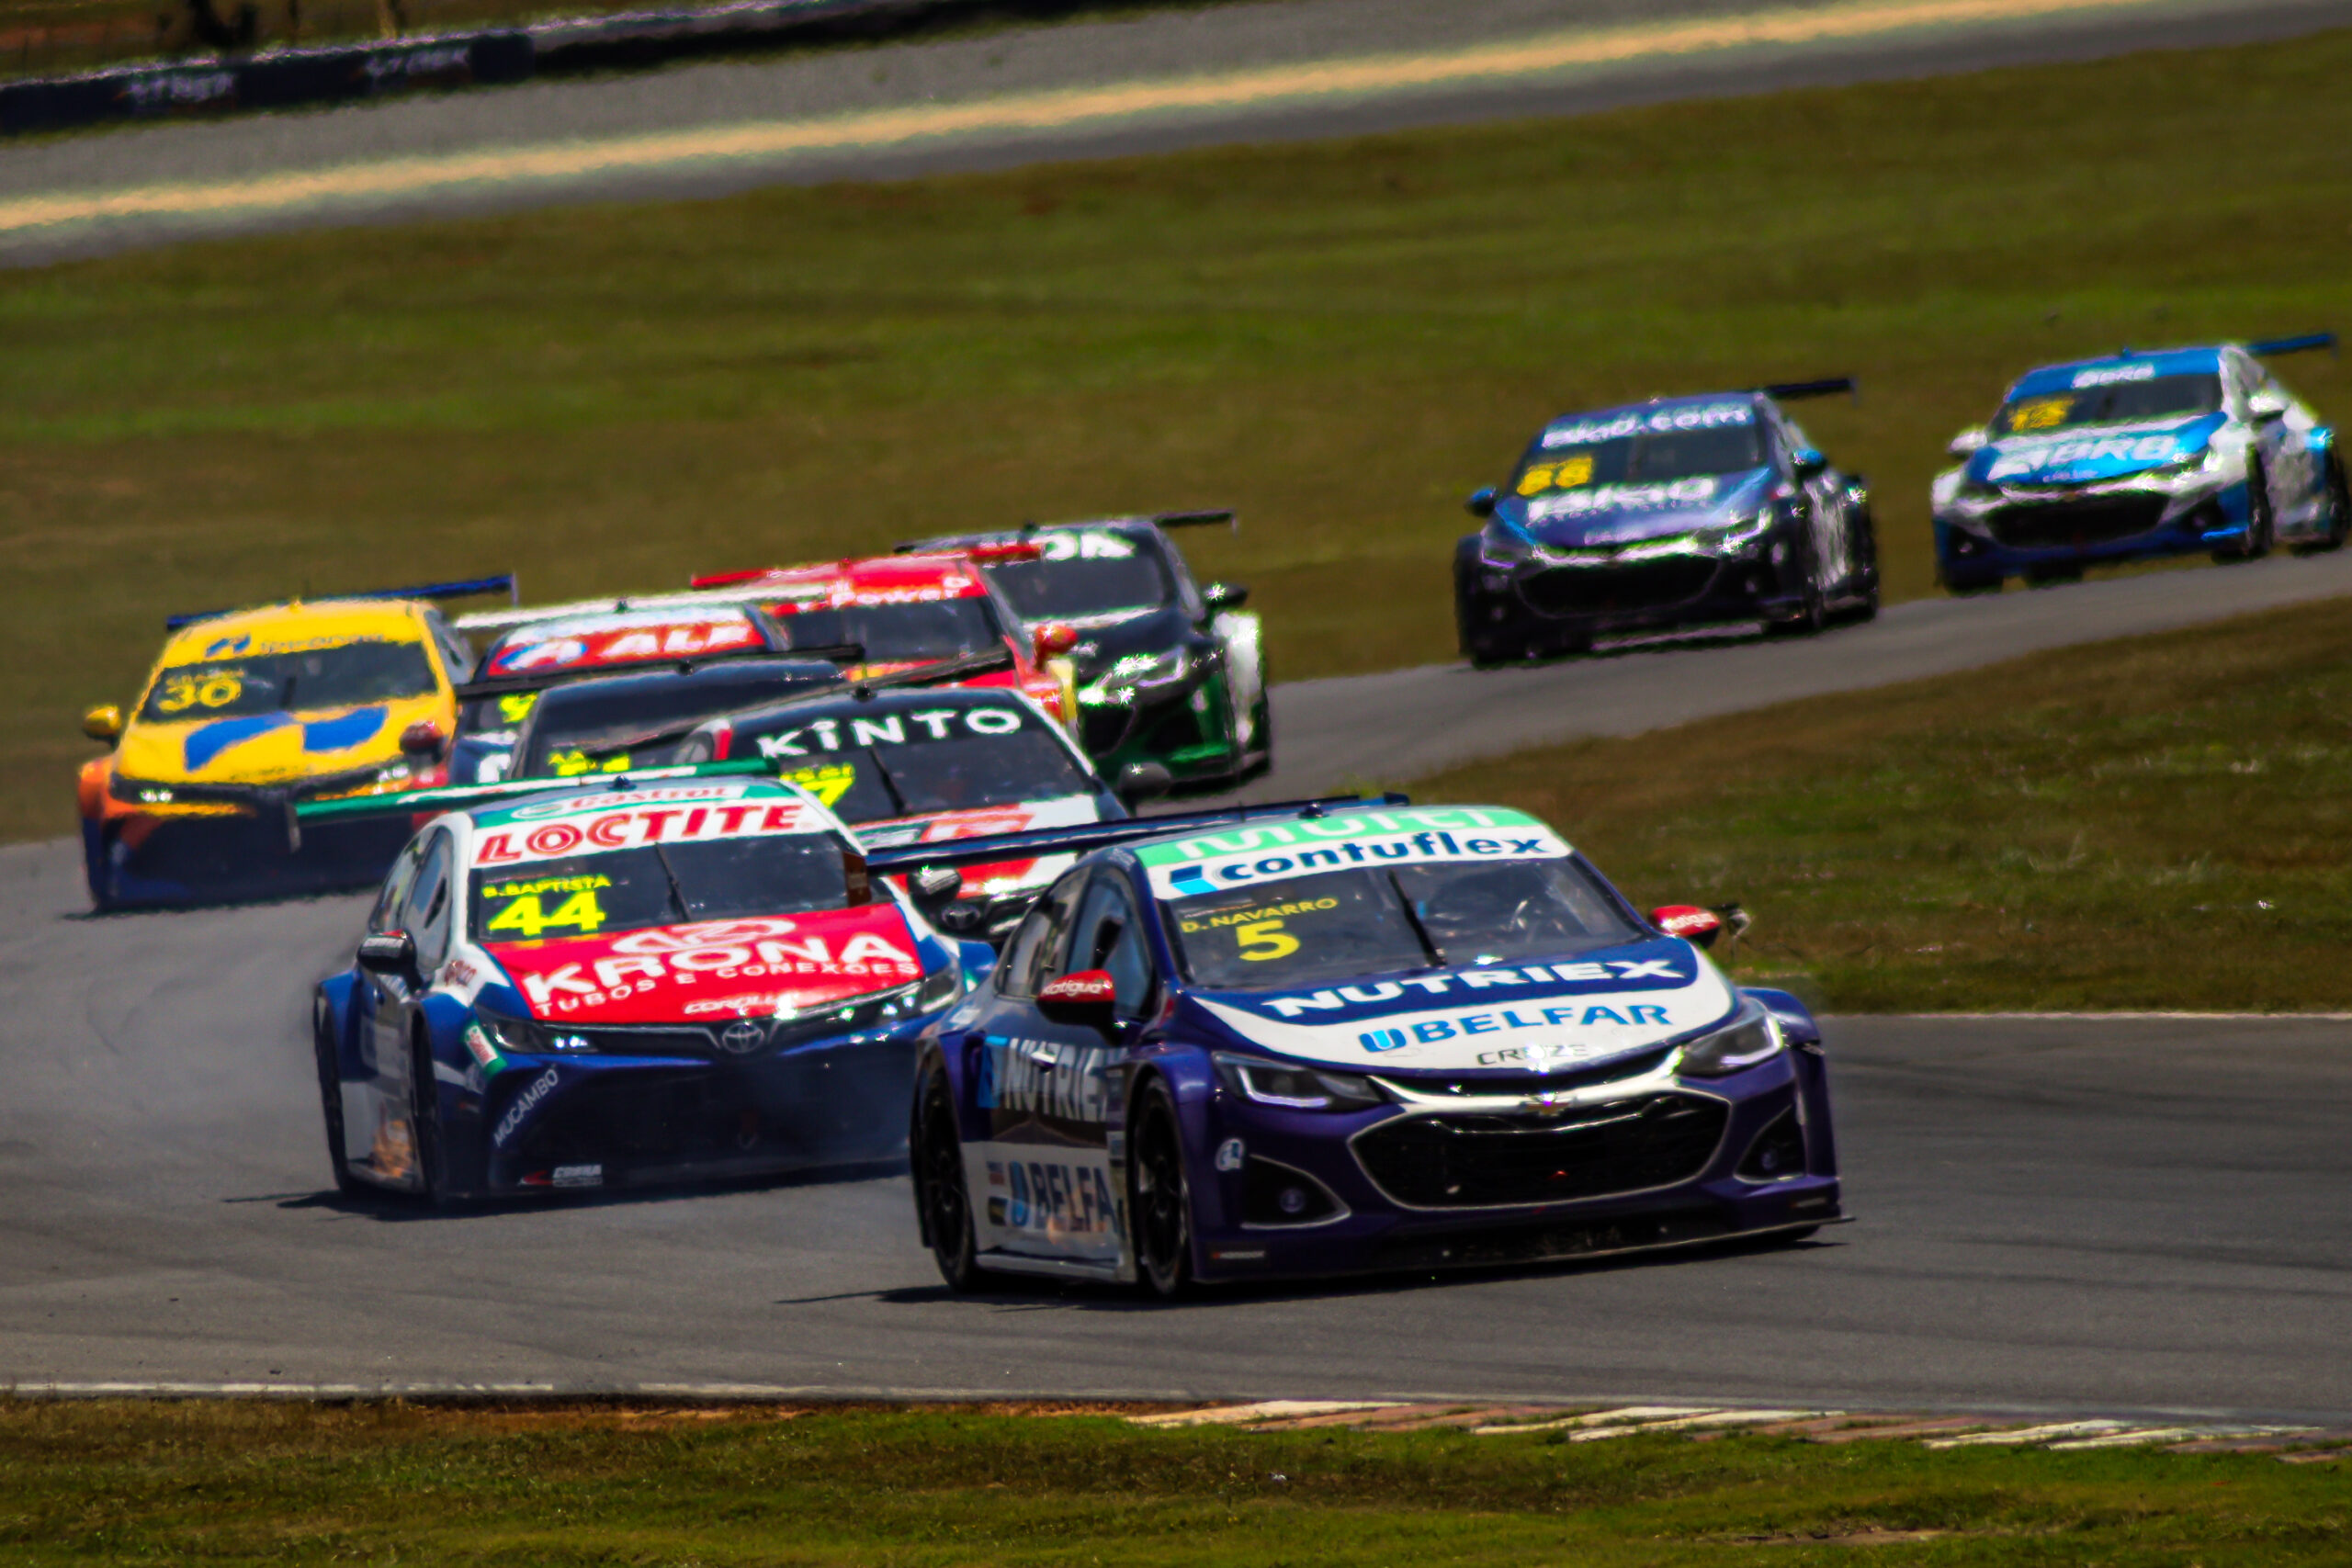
(2027, 1434)
(2177, 1434)
(1265, 1410)
(1600, 1418)
(1692, 1423)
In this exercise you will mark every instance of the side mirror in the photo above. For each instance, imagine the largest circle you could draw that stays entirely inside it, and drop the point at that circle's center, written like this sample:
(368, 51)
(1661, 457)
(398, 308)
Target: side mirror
(1968, 443)
(2266, 405)
(1481, 502)
(1808, 463)
(1086, 997)
(103, 723)
(1221, 597)
(1053, 639)
(1690, 922)
(423, 739)
(1142, 782)
(389, 952)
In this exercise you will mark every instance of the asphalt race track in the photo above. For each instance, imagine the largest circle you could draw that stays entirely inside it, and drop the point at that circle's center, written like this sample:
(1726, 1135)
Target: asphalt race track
(1144, 82)
(2125, 1216)
(2119, 1215)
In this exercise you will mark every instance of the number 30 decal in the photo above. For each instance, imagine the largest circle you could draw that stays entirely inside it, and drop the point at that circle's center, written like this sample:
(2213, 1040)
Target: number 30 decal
(1265, 939)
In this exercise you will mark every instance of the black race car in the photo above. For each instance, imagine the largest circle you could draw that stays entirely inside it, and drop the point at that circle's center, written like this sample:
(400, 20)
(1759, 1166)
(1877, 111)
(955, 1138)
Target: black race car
(1171, 675)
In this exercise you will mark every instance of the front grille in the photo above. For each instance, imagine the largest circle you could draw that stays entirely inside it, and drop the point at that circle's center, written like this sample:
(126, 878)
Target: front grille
(1472, 1161)
(1639, 1065)
(644, 1116)
(694, 1043)
(1600, 590)
(2091, 521)
(1465, 1249)
(1102, 726)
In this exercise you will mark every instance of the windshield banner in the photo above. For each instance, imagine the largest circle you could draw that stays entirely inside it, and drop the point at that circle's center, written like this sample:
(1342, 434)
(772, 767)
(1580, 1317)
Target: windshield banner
(555, 830)
(1270, 851)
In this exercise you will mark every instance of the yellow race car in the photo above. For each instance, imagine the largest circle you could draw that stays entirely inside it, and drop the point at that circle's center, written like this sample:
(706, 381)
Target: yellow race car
(248, 712)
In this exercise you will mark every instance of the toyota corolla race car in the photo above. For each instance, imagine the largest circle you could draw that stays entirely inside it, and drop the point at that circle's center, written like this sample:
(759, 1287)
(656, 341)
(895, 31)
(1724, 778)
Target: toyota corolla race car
(1679, 511)
(2137, 455)
(1170, 674)
(926, 767)
(910, 610)
(624, 981)
(249, 711)
(1347, 1036)
(531, 650)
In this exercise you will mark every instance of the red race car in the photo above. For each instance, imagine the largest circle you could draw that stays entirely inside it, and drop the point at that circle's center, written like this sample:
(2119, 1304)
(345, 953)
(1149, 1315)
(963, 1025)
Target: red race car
(916, 609)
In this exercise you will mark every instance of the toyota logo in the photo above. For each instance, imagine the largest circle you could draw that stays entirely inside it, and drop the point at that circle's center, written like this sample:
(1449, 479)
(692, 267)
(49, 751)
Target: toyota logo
(742, 1037)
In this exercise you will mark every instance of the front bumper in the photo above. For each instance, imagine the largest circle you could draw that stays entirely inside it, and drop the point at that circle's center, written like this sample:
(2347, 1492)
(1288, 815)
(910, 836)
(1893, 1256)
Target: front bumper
(143, 859)
(1182, 725)
(1564, 603)
(2020, 534)
(1682, 1165)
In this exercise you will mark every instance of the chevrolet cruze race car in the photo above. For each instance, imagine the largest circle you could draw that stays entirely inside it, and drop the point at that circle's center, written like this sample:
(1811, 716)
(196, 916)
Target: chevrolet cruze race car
(2137, 455)
(1170, 674)
(910, 610)
(1352, 1036)
(1679, 511)
(927, 767)
(632, 980)
(249, 711)
(531, 650)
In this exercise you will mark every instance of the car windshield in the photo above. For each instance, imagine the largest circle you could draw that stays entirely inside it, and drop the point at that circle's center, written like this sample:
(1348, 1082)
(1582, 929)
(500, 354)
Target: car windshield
(1083, 573)
(2120, 403)
(662, 884)
(574, 724)
(1641, 459)
(1313, 929)
(345, 676)
(497, 715)
(898, 634)
(913, 763)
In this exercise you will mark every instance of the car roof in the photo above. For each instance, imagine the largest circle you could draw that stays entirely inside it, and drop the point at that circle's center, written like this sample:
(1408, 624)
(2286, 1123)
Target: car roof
(1657, 414)
(2129, 365)
(298, 624)
(755, 671)
(876, 580)
(904, 700)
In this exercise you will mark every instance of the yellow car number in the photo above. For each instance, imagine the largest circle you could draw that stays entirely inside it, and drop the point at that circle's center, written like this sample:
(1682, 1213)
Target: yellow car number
(184, 692)
(1566, 474)
(2041, 414)
(527, 917)
(1262, 941)
(571, 764)
(828, 783)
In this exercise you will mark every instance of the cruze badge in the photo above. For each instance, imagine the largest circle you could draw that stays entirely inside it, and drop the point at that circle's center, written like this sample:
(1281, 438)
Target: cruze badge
(741, 1037)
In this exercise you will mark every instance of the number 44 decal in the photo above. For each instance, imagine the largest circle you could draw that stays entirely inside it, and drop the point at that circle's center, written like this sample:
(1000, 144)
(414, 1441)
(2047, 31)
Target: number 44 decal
(527, 917)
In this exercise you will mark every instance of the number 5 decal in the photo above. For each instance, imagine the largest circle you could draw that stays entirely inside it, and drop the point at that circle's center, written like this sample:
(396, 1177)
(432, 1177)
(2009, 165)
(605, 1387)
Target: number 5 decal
(1265, 939)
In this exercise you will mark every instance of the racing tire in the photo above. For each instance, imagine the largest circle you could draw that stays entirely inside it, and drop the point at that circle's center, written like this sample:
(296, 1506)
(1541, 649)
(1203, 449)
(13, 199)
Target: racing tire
(938, 1158)
(1160, 1197)
(323, 1050)
(2340, 512)
(1813, 611)
(425, 1122)
(2261, 521)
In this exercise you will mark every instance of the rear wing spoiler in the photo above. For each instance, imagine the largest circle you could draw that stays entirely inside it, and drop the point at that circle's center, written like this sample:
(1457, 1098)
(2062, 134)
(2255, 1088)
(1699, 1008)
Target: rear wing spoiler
(463, 797)
(1216, 517)
(1830, 387)
(2267, 347)
(496, 624)
(946, 671)
(1039, 842)
(540, 679)
(470, 588)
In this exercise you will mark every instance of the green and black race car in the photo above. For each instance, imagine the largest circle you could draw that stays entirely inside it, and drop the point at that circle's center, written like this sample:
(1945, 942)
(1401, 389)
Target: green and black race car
(1171, 675)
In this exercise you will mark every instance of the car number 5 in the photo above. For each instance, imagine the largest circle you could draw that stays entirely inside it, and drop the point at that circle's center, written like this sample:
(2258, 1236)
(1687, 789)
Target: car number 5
(1265, 939)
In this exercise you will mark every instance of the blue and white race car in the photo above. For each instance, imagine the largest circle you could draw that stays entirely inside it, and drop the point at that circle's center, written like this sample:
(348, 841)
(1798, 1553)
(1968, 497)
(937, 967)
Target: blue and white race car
(1353, 1035)
(1679, 511)
(2135, 455)
(626, 980)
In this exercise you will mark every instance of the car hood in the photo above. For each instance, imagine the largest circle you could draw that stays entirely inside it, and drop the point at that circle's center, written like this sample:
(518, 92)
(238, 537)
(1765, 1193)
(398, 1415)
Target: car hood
(998, 876)
(1629, 513)
(271, 748)
(762, 966)
(2087, 457)
(1537, 1017)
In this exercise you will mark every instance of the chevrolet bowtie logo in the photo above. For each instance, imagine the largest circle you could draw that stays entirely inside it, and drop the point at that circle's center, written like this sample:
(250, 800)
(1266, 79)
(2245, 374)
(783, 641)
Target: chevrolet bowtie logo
(1546, 1104)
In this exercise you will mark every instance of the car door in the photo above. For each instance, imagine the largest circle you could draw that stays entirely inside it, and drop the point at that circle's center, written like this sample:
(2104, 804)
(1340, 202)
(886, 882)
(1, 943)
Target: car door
(1052, 1093)
(426, 910)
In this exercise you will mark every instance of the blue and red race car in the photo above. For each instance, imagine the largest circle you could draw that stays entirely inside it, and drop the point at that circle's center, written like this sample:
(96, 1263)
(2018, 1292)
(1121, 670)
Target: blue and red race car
(1350, 1036)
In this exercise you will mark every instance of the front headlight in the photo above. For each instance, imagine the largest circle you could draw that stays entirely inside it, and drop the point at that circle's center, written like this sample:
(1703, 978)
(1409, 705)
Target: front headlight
(522, 1036)
(943, 989)
(1297, 1089)
(1500, 545)
(1124, 679)
(1740, 534)
(2190, 473)
(1751, 1039)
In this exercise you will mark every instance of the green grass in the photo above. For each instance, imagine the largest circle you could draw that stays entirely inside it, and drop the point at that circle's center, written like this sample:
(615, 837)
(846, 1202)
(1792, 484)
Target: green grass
(252, 1482)
(1340, 338)
(2159, 823)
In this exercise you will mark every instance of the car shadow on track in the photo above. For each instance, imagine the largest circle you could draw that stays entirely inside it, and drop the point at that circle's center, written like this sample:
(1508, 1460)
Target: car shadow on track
(1008, 1292)
(401, 1208)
